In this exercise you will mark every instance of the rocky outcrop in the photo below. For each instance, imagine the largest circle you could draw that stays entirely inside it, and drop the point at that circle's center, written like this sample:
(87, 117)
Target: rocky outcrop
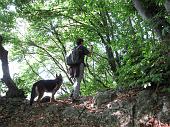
(137, 108)
(133, 108)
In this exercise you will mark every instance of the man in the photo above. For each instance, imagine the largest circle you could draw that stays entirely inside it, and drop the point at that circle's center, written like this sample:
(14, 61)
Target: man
(77, 71)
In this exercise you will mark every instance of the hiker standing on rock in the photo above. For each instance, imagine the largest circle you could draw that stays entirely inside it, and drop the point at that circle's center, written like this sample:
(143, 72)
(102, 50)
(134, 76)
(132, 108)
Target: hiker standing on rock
(76, 62)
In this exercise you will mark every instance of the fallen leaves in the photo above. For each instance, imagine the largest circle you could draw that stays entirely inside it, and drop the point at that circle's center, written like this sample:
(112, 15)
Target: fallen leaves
(154, 122)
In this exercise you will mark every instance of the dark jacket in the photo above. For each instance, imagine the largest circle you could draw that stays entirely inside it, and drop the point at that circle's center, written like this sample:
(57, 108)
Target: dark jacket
(83, 51)
(74, 70)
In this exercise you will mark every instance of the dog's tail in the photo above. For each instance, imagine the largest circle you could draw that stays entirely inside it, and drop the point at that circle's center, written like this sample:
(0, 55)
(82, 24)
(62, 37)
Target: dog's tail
(33, 94)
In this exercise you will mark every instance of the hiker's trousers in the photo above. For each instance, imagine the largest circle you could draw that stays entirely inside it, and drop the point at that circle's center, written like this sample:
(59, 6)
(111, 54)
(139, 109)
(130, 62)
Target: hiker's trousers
(77, 82)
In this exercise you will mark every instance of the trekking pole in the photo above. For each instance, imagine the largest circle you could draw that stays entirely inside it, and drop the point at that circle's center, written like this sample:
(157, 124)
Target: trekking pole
(92, 53)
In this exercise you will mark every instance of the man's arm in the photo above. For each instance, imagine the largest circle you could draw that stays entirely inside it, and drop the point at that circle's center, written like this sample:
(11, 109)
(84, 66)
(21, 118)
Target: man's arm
(88, 51)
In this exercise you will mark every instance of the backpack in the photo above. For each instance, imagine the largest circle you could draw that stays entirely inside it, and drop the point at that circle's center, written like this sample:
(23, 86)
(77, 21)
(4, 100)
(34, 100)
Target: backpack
(73, 58)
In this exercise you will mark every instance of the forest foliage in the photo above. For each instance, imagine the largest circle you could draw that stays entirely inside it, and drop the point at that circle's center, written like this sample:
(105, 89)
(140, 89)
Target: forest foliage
(39, 34)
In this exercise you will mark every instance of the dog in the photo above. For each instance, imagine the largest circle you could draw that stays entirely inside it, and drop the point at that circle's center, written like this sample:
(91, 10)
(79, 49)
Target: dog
(42, 86)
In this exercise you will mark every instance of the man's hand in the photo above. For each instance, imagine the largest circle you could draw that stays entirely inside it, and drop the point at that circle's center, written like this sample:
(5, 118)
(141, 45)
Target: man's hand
(91, 47)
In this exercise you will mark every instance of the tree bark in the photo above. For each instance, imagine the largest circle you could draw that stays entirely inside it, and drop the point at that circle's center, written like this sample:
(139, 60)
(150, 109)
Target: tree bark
(109, 51)
(13, 91)
(106, 41)
(111, 58)
(161, 25)
(167, 5)
(151, 12)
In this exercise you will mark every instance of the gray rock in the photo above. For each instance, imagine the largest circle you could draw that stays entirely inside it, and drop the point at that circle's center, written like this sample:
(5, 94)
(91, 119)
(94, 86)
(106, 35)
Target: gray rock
(104, 97)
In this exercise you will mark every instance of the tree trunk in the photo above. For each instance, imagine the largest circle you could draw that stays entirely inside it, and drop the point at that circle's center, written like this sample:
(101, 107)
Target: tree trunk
(13, 91)
(167, 5)
(109, 51)
(151, 12)
(162, 26)
(106, 41)
(110, 55)
(111, 58)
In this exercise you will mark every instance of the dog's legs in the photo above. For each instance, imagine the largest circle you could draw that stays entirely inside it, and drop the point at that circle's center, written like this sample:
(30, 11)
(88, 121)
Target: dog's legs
(53, 93)
(40, 95)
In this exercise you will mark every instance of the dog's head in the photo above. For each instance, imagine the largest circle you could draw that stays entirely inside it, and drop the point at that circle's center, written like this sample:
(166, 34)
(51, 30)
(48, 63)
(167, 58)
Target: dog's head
(59, 79)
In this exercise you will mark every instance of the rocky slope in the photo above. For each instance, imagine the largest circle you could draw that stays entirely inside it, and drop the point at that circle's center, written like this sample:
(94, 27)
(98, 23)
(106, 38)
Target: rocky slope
(133, 108)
